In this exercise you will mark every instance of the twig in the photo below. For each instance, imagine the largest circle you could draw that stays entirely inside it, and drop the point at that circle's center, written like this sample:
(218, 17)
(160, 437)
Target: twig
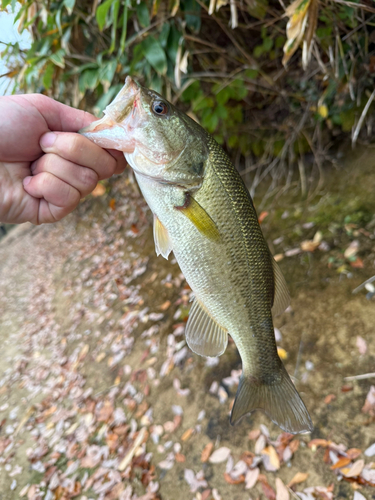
(370, 280)
(364, 376)
(362, 117)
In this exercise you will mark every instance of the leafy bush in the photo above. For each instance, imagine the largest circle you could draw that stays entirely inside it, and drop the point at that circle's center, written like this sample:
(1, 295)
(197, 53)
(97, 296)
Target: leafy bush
(222, 60)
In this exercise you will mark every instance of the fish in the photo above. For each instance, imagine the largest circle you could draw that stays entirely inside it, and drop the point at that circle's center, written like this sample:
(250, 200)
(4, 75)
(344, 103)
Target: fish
(204, 214)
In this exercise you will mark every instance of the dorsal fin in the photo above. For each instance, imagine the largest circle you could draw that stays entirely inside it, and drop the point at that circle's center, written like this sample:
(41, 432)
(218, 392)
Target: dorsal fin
(163, 244)
(204, 335)
(281, 298)
(199, 217)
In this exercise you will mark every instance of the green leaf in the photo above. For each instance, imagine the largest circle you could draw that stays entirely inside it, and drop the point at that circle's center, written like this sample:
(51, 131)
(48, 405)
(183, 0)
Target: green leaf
(143, 14)
(107, 98)
(251, 73)
(258, 51)
(114, 15)
(48, 75)
(107, 71)
(88, 79)
(58, 58)
(221, 111)
(223, 96)
(4, 4)
(124, 28)
(163, 36)
(155, 54)
(69, 4)
(101, 13)
(267, 44)
(205, 103)
(192, 11)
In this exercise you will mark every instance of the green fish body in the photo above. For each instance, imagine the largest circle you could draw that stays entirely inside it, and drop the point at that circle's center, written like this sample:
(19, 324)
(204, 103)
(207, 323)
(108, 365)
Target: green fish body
(204, 214)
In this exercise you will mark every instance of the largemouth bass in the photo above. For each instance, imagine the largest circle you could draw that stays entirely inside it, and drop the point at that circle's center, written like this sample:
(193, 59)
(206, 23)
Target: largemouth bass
(204, 214)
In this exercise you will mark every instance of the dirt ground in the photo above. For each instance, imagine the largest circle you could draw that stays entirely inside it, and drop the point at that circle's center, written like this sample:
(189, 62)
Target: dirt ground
(101, 398)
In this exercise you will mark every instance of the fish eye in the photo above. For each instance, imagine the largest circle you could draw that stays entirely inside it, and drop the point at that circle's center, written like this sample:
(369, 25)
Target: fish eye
(160, 108)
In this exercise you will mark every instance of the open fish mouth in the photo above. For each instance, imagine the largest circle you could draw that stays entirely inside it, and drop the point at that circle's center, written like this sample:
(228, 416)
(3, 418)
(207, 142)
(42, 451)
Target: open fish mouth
(121, 117)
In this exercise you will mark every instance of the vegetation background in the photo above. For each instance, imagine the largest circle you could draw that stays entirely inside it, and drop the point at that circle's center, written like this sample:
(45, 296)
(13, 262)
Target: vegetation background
(280, 86)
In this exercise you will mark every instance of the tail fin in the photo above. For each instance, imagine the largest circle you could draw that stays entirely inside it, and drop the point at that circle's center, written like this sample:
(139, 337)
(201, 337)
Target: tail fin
(279, 400)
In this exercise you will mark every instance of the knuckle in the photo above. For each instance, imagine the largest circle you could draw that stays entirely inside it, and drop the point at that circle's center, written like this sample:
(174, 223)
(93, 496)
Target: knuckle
(73, 144)
(89, 178)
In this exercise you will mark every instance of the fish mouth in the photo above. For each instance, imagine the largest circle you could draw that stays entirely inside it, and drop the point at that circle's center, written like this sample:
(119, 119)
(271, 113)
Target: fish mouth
(121, 117)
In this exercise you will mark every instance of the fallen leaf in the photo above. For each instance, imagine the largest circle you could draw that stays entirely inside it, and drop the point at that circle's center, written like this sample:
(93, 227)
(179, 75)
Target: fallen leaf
(251, 478)
(328, 399)
(165, 305)
(300, 477)
(352, 249)
(206, 452)
(311, 245)
(99, 190)
(254, 434)
(361, 345)
(112, 204)
(356, 469)
(354, 453)
(273, 457)
(357, 263)
(358, 496)
(180, 457)
(268, 491)
(318, 442)
(187, 434)
(369, 406)
(342, 462)
(260, 444)
(262, 216)
(282, 353)
(219, 455)
(229, 479)
(370, 451)
(137, 442)
(282, 492)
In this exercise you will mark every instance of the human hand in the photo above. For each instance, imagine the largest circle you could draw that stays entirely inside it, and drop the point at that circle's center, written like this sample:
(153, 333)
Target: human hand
(46, 168)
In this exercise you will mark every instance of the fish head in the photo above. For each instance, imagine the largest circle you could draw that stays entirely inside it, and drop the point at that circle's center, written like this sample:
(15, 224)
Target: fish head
(157, 139)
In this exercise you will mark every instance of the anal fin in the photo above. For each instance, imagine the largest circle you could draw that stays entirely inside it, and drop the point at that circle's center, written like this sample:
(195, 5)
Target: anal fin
(204, 335)
(163, 244)
(279, 400)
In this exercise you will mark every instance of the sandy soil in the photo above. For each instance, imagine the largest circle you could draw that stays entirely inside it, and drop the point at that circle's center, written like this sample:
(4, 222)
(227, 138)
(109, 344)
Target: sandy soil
(93, 352)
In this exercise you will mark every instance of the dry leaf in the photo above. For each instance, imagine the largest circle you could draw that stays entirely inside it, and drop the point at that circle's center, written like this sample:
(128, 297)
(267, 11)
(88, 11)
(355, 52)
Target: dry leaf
(99, 190)
(187, 434)
(369, 406)
(361, 345)
(206, 452)
(268, 491)
(311, 245)
(342, 462)
(300, 477)
(282, 492)
(229, 479)
(352, 249)
(300, 13)
(328, 399)
(356, 469)
(251, 478)
(180, 457)
(270, 452)
(220, 455)
(260, 444)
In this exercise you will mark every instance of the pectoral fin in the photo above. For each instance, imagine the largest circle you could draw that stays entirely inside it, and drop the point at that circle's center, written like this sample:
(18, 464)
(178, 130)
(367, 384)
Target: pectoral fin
(163, 244)
(204, 335)
(281, 298)
(199, 217)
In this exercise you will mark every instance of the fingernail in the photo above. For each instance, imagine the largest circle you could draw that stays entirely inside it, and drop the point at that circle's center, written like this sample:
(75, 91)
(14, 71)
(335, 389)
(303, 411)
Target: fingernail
(47, 140)
(27, 180)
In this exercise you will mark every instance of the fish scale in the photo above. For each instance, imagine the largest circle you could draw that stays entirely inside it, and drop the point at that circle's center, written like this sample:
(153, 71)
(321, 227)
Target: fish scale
(204, 213)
